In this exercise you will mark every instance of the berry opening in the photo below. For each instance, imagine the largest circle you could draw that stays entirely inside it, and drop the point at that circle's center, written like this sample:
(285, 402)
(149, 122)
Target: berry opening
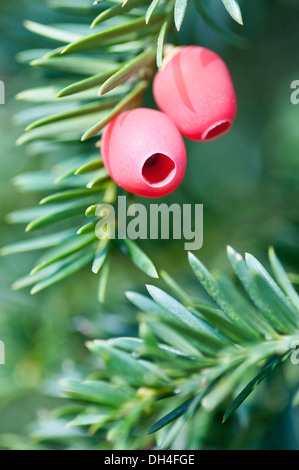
(158, 170)
(216, 130)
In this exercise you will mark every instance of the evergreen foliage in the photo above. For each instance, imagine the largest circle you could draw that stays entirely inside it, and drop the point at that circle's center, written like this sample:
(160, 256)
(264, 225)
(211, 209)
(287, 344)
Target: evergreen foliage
(96, 74)
(196, 361)
(193, 359)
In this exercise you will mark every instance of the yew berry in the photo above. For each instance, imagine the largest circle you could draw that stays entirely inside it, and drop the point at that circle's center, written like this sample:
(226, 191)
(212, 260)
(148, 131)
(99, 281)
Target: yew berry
(144, 152)
(196, 91)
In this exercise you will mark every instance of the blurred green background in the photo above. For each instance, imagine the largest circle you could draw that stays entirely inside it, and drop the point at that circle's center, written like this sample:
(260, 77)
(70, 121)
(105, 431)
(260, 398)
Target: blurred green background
(247, 181)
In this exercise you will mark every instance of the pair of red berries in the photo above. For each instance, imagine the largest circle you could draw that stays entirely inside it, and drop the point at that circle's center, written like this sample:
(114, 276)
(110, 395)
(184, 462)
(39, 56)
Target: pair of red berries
(143, 149)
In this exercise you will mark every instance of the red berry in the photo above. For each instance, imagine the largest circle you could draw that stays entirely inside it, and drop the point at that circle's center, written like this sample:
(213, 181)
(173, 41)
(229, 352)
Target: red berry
(144, 152)
(196, 91)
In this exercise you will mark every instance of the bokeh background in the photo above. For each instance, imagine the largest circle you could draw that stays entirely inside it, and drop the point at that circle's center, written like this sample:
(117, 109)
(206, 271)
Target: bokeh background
(248, 182)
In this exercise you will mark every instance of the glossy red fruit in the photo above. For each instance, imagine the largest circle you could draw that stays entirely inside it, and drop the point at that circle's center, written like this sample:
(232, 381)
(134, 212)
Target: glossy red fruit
(144, 152)
(196, 91)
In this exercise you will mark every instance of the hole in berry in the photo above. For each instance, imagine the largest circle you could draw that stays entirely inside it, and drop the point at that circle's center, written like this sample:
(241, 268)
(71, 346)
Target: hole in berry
(158, 170)
(217, 130)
